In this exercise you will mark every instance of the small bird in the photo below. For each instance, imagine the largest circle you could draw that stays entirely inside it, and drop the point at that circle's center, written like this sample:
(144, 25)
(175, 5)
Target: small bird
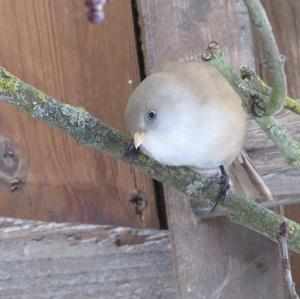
(188, 115)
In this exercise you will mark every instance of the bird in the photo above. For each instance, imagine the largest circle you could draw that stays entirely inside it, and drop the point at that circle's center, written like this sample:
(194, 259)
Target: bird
(187, 114)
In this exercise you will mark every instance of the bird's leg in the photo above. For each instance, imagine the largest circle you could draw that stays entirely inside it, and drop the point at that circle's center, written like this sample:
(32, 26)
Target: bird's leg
(224, 186)
(131, 151)
(130, 148)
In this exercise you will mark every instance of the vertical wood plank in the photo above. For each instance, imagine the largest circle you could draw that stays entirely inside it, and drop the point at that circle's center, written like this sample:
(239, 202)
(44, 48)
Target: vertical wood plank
(212, 259)
(50, 44)
(285, 19)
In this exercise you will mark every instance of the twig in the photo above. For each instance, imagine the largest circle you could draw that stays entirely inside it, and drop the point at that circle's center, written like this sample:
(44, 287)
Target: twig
(292, 105)
(255, 83)
(284, 141)
(285, 260)
(89, 131)
(272, 57)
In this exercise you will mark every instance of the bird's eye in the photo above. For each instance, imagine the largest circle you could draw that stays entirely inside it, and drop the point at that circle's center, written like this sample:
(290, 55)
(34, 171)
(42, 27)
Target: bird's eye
(151, 114)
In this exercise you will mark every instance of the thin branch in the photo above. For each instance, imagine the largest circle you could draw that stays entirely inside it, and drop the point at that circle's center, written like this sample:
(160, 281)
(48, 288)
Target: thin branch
(89, 131)
(255, 83)
(283, 140)
(285, 260)
(292, 105)
(272, 58)
(286, 143)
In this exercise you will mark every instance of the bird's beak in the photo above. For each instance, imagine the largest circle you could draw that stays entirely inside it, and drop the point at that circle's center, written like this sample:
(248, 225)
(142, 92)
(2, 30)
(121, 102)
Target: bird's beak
(138, 138)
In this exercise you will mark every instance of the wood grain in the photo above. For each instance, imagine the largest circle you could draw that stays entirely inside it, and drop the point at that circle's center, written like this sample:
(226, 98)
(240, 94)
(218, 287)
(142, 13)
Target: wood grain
(282, 179)
(285, 181)
(211, 259)
(50, 260)
(50, 44)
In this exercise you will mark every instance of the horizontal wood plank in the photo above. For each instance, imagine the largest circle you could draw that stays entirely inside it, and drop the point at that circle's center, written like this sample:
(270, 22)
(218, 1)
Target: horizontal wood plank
(50, 260)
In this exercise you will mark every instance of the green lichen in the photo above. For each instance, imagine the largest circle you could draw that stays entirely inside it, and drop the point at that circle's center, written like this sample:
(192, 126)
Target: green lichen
(294, 162)
(193, 187)
(292, 105)
(8, 83)
(143, 159)
(76, 116)
(41, 96)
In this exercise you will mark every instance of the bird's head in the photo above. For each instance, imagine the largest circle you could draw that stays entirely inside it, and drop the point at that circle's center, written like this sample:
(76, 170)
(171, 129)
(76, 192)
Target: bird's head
(154, 107)
(156, 115)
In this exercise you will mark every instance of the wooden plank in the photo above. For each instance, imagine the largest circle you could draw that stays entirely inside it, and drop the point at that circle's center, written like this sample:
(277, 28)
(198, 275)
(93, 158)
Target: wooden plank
(212, 258)
(282, 179)
(50, 260)
(285, 16)
(50, 44)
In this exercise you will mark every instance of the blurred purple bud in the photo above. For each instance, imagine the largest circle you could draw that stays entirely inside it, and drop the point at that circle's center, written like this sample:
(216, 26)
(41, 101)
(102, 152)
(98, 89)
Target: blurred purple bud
(95, 16)
(92, 3)
(95, 12)
(284, 229)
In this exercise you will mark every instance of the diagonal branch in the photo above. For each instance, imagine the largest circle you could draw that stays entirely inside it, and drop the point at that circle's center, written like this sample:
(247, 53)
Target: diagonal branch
(89, 131)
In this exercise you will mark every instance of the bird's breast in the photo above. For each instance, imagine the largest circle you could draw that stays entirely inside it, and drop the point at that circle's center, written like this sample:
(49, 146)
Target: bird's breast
(200, 142)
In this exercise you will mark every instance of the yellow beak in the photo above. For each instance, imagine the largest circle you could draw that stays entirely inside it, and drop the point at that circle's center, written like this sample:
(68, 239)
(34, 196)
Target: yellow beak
(138, 138)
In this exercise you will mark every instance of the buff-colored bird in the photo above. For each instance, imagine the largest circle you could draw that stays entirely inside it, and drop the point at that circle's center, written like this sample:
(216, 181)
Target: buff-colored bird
(189, 115)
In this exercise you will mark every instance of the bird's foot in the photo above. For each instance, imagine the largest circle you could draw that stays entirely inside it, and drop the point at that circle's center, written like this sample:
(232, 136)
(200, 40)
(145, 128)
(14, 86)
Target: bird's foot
(131, 152)
(130, 148)
(224, 187)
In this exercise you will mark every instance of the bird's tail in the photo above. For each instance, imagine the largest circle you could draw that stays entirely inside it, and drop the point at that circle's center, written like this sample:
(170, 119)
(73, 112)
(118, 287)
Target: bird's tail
(246, 180)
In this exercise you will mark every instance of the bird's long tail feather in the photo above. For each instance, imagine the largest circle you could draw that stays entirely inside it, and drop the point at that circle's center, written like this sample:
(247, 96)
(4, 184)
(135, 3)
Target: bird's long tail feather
(246, 180)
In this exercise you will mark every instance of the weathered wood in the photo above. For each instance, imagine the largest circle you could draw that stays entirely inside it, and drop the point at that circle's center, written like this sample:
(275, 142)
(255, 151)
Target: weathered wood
(218, 260)
(50, 44)
(51, 260)
(285, 181)
(282, 179)
(213, 258)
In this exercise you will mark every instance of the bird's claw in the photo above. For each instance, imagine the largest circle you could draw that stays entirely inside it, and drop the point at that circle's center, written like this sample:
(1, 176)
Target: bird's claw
(131, 152)
(224, 187)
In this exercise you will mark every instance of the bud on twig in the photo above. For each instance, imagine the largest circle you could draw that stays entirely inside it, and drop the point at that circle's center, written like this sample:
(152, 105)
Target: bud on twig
(95, 12)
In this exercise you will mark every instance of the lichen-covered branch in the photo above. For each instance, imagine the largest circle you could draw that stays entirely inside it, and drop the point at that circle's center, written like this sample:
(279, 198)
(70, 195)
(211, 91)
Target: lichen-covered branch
(284, 141)
(292, 105)
(272, 58)
(89, 131)
(254, 89)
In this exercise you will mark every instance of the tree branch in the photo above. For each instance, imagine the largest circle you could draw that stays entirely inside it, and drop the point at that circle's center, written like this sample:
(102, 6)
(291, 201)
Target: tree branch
(272, 58)
(254, 88)
(285, 260)
(292, 105)
(89, 131)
